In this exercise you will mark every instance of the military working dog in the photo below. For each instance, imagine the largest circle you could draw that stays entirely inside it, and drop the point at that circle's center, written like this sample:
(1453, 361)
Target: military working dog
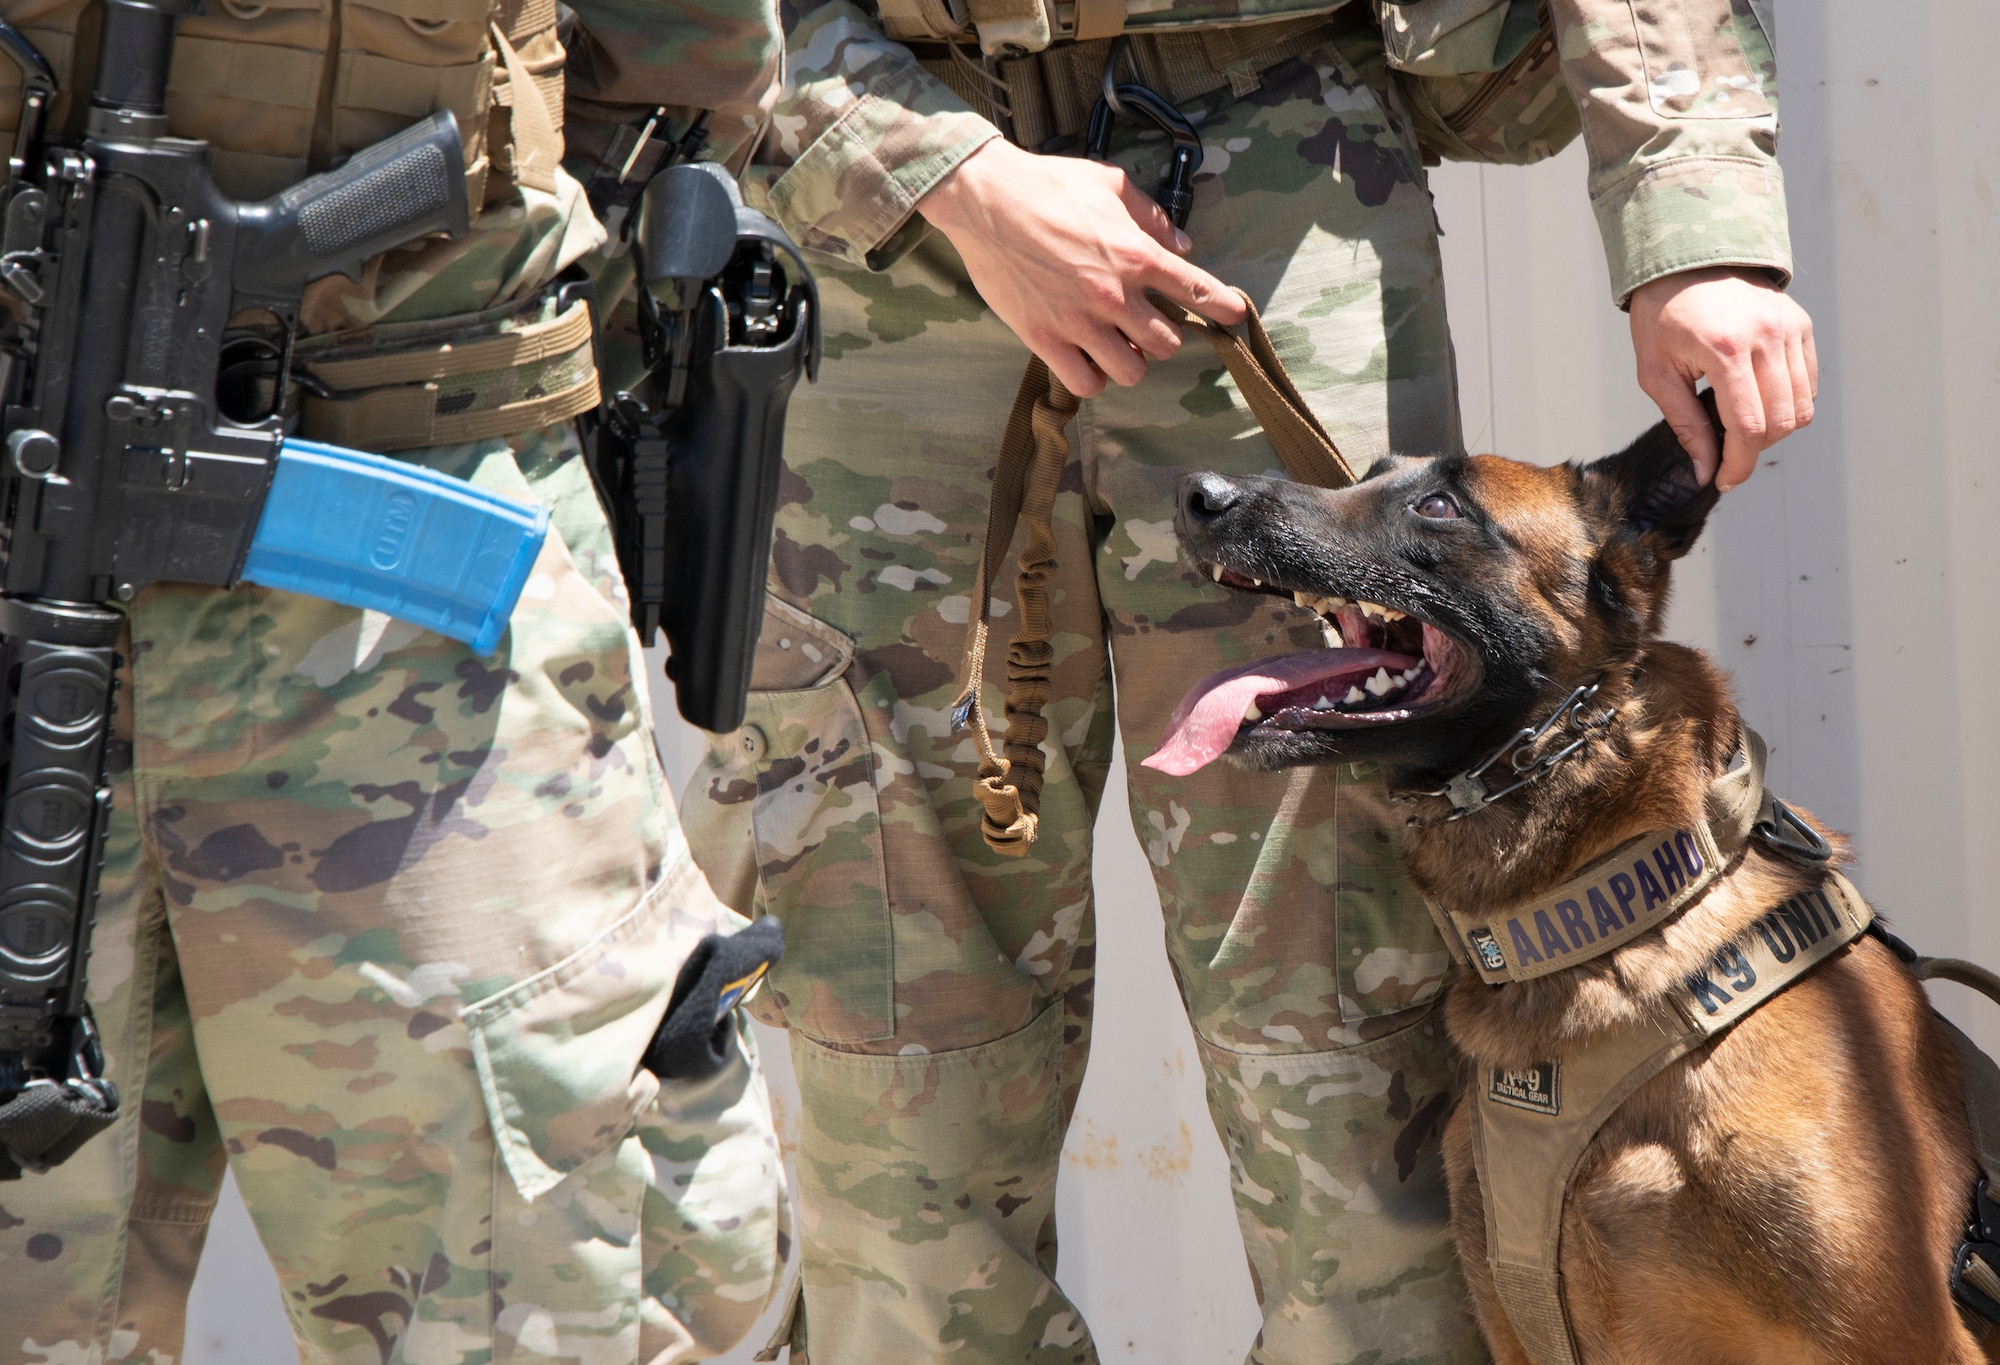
(1793, 1188)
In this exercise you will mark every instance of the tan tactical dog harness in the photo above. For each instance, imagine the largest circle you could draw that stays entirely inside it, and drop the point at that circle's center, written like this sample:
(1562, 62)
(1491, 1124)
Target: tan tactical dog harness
(1532, 1125)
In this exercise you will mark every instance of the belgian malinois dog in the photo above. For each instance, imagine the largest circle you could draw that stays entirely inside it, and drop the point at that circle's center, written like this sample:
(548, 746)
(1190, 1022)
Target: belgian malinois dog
(1795, 1190)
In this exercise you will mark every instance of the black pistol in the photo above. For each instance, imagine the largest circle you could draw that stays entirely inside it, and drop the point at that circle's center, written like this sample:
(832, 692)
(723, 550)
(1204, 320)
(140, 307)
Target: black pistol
(688, 461)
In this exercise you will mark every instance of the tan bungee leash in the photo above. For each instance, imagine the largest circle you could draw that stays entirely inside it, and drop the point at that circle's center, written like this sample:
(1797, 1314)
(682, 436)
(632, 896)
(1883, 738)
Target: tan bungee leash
(1032, 456)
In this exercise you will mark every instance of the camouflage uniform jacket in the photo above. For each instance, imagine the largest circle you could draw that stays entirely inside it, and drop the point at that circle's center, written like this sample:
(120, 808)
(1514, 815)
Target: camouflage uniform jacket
(625, 58)
(1678, 105)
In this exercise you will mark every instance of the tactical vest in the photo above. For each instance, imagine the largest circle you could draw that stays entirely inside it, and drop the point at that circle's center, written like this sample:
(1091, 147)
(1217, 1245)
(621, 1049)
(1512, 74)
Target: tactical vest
(1480, 79)
(281, 89)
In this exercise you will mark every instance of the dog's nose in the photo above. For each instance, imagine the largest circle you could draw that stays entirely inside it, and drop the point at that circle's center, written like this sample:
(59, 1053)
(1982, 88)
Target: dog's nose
(1205, 497)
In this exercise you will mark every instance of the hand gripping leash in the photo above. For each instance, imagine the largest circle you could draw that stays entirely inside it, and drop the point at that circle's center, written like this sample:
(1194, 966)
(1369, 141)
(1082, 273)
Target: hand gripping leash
(1033, 453)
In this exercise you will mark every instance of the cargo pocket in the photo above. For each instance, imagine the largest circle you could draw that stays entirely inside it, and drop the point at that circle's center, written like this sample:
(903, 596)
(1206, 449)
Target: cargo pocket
(1390, 956)
(1337, 1168)
(558, 1054)
(935, 1171)
(1696, 66)
(1455, 37)
(716, 1224)
(786, 804)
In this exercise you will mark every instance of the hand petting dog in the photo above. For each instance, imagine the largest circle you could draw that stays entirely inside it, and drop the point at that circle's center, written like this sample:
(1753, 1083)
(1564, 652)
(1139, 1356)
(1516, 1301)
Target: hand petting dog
(1753, 344)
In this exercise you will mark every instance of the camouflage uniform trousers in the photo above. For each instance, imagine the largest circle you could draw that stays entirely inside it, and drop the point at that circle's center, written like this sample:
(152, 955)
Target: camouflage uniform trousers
(385, 927)
(938, 994)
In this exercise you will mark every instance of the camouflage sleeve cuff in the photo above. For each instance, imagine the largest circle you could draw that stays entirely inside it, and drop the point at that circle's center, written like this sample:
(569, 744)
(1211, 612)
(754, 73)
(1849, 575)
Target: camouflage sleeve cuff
(861, 132)
(853, 192)
(1690, 212)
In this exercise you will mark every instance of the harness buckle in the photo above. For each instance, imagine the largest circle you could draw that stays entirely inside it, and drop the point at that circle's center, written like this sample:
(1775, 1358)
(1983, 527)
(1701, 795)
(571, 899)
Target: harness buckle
(1975, 1281)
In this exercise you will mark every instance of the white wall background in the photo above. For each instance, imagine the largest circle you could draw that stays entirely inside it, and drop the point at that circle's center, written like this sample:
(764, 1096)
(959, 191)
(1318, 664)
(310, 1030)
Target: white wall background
(1850, 587)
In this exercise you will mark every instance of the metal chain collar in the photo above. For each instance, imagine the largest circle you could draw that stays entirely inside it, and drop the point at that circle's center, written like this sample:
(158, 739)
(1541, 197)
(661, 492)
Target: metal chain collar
(1468, 792)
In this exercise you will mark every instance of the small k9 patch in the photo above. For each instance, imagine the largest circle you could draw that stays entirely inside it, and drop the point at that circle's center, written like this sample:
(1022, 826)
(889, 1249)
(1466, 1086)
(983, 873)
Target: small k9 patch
(1488, 948)
(1536, 1088)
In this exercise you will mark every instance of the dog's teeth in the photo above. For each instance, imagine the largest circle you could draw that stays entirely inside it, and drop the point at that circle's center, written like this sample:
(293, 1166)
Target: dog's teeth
(1252, 714)
(1215, 572)
(1301, 600)
(1353, 697)
(1322, 705)
(1331, 634)
(1377, 609)
(1256, 582)
(1381, 684)
(1409, 675)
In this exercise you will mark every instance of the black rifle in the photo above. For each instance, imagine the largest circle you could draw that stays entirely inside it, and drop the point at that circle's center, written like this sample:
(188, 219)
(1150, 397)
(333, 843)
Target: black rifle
(688, 461)
(141, 441)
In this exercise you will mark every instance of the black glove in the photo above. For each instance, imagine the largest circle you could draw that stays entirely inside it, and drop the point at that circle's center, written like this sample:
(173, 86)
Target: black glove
(694, 1040)
(43, 1125)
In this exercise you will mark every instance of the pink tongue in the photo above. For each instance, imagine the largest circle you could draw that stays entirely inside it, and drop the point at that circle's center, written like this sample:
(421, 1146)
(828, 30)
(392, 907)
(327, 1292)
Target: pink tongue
(1204, 725)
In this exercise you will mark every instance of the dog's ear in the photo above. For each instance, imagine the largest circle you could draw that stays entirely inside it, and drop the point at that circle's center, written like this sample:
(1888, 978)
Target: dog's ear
(1651, 486)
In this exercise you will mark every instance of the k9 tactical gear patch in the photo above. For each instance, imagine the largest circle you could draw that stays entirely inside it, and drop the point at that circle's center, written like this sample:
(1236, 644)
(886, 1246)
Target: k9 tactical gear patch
(1536, 1088)
(1488, 948)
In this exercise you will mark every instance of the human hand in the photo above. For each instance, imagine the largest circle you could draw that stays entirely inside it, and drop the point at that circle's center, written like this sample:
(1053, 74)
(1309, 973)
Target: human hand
(1064, 250)
(1754, 345)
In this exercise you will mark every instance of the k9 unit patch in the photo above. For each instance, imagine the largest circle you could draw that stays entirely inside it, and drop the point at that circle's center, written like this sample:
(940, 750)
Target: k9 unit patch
(1536, 1088)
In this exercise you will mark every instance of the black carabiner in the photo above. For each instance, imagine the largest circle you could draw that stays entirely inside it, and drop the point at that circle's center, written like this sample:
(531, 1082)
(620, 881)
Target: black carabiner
(1119, 100)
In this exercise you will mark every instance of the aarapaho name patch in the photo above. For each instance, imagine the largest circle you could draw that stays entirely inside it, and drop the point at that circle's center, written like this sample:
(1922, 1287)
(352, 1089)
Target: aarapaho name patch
(1536, 1087)
(1608, 904)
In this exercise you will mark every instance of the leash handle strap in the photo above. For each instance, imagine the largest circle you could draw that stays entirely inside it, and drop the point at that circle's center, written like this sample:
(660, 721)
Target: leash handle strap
(1308, 452)
(1975, 1266)
(1033, 453)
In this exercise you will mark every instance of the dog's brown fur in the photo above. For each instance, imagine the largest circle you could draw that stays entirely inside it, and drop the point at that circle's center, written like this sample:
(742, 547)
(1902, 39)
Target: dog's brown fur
(1790, 1193)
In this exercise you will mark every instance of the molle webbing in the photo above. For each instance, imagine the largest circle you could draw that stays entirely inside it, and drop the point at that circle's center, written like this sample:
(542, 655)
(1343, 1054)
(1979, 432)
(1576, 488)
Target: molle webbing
(1042, 100)
(1033, 453)
(439, 383)
(1530, 1127)
(1628, 892)
(282, 88)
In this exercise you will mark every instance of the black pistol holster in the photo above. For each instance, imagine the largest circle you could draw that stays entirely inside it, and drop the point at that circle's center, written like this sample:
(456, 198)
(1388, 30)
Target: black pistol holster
(688, 460)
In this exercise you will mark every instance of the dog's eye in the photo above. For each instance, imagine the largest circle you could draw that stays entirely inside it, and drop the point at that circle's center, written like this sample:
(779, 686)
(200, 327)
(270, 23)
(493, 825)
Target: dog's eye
(1438, 507)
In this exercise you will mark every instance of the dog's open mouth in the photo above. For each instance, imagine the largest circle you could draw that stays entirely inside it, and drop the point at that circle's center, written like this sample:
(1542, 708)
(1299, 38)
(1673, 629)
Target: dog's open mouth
(1382, 666)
